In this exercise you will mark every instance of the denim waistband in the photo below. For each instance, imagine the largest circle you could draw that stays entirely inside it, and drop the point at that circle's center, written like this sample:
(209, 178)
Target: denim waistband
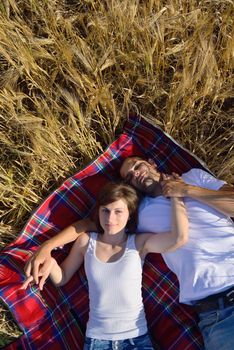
(130, 340)
(139, 342)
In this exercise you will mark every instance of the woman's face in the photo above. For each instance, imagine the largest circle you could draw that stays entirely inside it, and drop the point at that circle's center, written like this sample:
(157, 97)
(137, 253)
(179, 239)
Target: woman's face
(113, 217)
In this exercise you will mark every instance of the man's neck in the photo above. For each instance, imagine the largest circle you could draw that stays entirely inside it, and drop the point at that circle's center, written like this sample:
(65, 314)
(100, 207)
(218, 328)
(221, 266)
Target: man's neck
(156, 190)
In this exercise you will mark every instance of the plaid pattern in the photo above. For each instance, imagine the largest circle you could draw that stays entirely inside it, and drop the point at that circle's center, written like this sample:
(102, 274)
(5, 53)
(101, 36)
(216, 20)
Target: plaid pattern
(56, 317)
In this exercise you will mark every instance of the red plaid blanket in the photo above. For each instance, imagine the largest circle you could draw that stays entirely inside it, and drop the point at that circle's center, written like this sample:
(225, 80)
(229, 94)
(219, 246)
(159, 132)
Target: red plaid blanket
(56, 317)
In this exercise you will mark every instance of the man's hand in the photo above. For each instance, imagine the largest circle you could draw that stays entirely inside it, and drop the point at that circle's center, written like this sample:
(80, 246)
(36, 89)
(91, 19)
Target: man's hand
(173, 186)
(42, 274)
(221, 199)
(40, 261)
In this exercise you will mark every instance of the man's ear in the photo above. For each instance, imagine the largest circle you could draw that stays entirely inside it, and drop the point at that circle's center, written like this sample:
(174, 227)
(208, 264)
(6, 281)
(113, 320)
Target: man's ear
(152, 163)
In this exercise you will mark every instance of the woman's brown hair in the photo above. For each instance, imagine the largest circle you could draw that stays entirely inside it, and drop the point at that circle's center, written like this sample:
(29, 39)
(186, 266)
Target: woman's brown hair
(112, 192)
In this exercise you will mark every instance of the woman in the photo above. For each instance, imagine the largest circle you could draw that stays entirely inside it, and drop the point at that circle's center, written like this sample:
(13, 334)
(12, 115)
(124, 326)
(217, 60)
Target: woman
(113, 260)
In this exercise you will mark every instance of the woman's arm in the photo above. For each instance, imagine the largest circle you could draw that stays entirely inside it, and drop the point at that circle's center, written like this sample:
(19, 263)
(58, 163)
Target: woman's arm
(168, 241)
(41, 260)
(60, 275)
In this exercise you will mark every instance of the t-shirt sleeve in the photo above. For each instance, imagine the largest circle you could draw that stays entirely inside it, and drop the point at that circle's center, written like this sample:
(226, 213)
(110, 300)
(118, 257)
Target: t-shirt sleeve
(201, 178)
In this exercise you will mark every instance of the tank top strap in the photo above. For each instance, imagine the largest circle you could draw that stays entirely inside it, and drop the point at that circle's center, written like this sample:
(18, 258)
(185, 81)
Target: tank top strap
(131, 242)
(92, 242)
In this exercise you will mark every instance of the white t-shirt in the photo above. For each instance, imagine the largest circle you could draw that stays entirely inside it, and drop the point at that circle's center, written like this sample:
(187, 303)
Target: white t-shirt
(205, 265)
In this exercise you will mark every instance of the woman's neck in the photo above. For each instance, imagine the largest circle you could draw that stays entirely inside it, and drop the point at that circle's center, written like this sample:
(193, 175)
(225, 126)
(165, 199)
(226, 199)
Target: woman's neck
(114, 239)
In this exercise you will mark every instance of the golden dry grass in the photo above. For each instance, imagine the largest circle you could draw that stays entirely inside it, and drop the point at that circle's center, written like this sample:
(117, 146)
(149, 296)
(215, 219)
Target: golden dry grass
(70, 72)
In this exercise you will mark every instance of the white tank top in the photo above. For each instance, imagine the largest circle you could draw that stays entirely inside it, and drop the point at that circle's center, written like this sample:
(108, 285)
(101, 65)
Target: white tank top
(115, 298)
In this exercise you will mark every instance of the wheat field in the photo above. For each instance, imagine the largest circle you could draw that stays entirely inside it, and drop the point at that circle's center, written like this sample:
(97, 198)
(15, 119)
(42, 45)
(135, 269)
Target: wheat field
(70, 73)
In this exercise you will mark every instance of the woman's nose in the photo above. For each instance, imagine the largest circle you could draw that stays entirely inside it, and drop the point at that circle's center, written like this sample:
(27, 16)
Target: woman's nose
(110, 216)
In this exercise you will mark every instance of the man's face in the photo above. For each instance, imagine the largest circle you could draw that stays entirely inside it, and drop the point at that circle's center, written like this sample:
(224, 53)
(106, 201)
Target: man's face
(140, 174)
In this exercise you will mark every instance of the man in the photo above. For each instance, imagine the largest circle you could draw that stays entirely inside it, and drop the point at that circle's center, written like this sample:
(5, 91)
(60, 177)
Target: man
(205, 265)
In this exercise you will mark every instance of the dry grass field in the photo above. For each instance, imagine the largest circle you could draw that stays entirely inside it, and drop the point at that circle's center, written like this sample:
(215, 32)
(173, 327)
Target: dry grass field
(70, 72)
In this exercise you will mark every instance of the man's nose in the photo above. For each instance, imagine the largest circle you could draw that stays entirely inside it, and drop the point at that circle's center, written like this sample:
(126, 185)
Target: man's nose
(136, 173)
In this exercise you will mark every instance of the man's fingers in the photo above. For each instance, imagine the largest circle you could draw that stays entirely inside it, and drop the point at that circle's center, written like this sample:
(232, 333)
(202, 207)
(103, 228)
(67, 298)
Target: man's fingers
(152, 163)
(28, 268)
(35, 271)
(30, 279)
(43, 280)
(44, 273)
(176, 176)
(164, 186)
(27, 282)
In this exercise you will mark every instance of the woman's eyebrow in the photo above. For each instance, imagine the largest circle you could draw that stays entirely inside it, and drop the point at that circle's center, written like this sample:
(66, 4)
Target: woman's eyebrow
(119, 208)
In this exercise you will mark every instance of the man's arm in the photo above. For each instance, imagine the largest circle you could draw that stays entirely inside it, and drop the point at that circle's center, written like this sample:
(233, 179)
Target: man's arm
(41, 260)
(221, 200)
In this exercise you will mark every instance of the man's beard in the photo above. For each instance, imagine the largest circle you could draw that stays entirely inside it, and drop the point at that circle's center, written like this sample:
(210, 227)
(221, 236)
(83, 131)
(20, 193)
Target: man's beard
(151, 187)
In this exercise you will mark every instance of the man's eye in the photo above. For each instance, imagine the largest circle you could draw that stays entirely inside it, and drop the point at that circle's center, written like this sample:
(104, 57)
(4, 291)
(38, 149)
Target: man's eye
(137, 166)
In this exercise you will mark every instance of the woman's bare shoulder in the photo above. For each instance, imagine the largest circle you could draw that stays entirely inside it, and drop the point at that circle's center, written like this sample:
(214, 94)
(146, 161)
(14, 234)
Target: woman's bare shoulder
(82, 240)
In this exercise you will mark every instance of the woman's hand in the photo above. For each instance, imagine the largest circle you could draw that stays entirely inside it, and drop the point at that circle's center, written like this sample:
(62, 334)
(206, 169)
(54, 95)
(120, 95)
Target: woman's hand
(173, 186)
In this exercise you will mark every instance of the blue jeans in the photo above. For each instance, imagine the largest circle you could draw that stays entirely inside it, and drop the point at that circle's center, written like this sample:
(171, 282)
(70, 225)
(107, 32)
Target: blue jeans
(217, 328)
(142, 342)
